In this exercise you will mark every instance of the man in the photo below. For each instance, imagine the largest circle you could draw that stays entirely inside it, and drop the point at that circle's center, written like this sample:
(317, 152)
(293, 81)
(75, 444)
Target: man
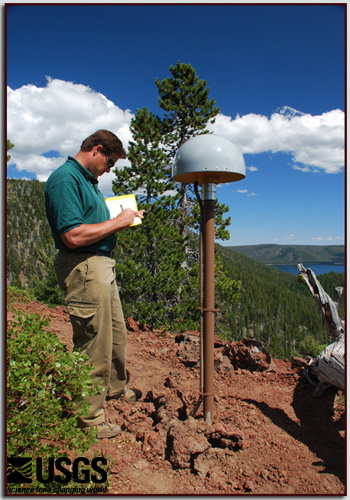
(84, 234)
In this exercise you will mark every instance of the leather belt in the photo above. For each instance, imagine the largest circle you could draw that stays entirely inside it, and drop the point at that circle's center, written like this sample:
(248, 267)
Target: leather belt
(101, 253)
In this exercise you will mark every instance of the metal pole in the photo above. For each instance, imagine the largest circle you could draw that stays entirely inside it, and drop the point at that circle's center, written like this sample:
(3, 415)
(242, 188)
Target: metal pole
(201, 304)
(208, 195)
(201, 288)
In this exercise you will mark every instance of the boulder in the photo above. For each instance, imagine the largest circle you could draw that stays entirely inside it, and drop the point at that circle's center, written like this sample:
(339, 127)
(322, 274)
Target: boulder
(248, 354)
(185, 442)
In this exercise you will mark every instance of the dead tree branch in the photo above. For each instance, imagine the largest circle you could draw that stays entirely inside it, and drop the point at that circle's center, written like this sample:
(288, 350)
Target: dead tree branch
(329, 366)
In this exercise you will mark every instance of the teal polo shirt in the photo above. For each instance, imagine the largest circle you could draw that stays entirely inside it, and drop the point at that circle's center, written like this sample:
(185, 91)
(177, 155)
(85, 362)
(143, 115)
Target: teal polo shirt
(72, 198)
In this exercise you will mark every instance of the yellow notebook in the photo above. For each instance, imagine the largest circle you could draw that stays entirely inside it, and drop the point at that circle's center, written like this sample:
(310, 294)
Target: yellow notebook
(117, 204)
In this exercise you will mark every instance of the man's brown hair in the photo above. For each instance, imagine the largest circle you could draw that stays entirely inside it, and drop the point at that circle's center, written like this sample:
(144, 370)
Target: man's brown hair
(110, 142)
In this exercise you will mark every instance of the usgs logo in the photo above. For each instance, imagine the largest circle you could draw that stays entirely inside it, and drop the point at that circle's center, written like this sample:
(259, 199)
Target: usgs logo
(62, 470)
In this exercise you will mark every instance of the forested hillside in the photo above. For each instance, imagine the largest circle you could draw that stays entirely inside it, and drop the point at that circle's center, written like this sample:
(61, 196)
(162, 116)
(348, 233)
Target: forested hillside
(29, 241)
(273, 307)
(293, 254)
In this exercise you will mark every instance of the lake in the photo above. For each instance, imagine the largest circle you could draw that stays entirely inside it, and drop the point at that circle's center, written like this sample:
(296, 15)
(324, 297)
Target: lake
(316, 268)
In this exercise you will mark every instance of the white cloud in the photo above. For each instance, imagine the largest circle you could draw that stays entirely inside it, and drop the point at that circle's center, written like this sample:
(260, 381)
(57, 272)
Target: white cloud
(58, 117)
(315, 142)
(252, 169)
(246, 192)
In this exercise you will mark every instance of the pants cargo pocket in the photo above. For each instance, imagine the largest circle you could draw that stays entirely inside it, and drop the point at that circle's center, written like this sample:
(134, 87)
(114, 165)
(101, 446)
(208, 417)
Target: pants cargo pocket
(84, 323)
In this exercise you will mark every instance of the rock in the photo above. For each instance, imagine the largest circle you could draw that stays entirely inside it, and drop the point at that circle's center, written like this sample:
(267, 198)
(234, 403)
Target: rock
(184, 442)
(299, 362)
(205, 462)
(173, 380)
(201, 465)
(248, 485)
(222, 363)
(145, 328)
(248, 354)
(154, 443)
(135, 327)
(187, 337)
(217, 478)
(167, 405)
(188, 350)
(132, 326)
(218, 343)
(146, 407)
(138, 425)
(222, 435)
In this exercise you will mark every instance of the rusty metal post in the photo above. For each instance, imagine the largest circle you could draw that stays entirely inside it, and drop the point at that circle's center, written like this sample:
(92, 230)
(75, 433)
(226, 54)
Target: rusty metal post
(207, 160)
(201, 290)
(208, 306)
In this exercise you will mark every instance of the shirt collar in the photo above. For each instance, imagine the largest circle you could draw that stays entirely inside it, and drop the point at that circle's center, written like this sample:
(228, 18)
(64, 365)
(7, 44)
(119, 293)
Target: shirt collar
(83, 170)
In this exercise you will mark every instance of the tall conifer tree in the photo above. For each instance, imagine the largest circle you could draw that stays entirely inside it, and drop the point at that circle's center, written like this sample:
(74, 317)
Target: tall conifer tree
(188, 110)
(157, 270)
(150, 257)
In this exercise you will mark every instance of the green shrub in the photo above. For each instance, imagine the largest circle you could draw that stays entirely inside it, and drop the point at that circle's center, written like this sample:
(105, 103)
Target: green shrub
(15, 293)
(310, 347)
(45, 386)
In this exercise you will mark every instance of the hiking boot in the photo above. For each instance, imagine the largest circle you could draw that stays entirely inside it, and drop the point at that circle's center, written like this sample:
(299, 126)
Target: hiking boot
(107, 430)
(130, 395)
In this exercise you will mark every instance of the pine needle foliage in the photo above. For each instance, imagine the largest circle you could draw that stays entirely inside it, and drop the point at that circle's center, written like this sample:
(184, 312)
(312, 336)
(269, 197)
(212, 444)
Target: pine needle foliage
(150, 257)
(185, 100)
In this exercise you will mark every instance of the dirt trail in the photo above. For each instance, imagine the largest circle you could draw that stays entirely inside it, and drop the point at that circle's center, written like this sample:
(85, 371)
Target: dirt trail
(270, 435)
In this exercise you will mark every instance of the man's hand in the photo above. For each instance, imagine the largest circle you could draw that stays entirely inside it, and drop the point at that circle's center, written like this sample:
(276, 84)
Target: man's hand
(140, 214)
(128, 215)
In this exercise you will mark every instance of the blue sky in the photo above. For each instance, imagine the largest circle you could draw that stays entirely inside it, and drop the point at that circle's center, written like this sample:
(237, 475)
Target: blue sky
(277, 73)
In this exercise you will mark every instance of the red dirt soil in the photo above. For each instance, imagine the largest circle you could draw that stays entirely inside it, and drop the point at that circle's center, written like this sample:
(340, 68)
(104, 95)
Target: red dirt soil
(270, 435)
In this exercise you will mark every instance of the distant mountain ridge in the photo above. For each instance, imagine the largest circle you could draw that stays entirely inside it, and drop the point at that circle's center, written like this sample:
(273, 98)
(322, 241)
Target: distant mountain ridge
(293, 254)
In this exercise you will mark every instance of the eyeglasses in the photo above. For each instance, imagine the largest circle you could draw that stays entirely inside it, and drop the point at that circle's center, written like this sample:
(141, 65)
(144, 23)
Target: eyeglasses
(110, 162)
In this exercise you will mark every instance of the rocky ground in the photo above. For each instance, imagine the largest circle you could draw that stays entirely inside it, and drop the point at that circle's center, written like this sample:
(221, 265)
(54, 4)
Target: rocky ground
(270, 435)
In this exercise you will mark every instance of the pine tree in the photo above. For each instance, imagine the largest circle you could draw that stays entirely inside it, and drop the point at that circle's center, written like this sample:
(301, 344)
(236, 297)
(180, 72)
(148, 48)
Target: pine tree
(154, 283)
(185, 100)
(170, 215)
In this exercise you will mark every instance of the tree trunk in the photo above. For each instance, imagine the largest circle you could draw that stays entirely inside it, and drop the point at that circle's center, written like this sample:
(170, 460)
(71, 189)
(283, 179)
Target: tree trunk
(329, 366)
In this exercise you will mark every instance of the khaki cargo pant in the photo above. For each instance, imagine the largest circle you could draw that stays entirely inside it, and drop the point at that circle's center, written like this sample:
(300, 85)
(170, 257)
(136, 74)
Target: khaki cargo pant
(97, 319)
